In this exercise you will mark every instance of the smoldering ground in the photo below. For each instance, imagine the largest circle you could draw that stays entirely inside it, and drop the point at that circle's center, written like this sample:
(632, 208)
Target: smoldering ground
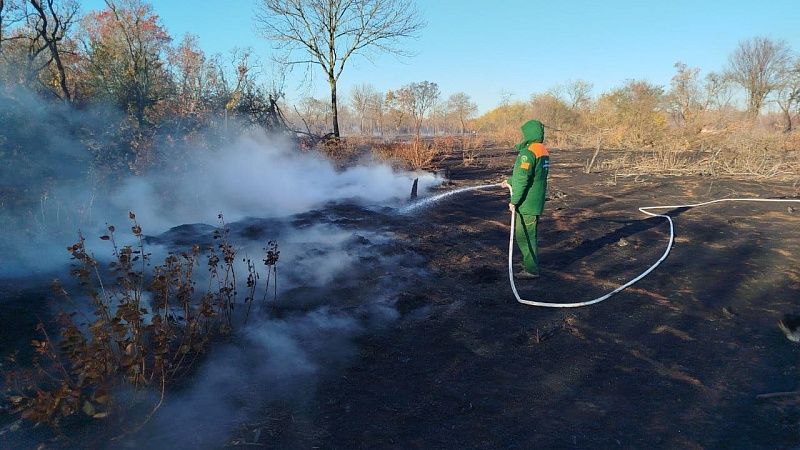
(344, 284)
(339, 278)
(338, 272)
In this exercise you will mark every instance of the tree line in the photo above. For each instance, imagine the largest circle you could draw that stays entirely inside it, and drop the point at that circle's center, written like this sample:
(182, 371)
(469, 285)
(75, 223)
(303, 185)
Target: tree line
(414, 109)
(124, 56)
(693, 110)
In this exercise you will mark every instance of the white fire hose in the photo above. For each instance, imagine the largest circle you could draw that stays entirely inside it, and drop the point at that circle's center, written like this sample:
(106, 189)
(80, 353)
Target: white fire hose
(644, 209)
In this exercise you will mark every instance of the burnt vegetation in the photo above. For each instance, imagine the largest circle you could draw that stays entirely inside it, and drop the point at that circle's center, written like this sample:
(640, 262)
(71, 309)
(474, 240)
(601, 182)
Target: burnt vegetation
(92, 99)
(134, 328)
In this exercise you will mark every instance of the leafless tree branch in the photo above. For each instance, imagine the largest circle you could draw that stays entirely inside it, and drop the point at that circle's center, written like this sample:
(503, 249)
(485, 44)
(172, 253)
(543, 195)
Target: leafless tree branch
(332, 31)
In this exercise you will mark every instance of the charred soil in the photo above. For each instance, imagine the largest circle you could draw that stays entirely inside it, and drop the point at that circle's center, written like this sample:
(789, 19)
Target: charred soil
(676, 361)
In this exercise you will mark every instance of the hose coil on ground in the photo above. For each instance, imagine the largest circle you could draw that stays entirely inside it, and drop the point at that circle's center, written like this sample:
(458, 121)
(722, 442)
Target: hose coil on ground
(645, 210)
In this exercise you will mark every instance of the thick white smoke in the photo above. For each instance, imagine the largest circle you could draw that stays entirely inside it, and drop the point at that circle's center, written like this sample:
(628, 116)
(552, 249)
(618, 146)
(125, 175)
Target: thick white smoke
(325, 271)
(254, 175)
(259, 176)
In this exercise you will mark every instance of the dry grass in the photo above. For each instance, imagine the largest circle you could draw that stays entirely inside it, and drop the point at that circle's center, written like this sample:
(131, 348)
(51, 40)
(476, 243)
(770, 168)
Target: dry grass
(741, 153)
(342, 152)
(417, 154)
(742, 150)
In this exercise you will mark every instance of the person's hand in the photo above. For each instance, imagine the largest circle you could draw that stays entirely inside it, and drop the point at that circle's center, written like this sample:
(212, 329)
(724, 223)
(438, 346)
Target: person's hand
(505, 184)
(511, 207)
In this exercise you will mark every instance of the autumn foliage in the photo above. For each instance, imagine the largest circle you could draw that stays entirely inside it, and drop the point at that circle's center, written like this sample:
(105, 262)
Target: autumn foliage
(168, 91)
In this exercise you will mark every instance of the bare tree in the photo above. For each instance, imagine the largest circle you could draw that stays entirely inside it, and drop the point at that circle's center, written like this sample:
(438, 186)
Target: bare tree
(462, 106)
(360, 98)
(438, 118)
(376, 110)
(417, 99)
(684, 97)
(9, 16)
(787, 95)
(396, 103)
(52, 22)
(578, 94)
(39, 28)
(756, 65)
(314, 113)
(505, 97)
(718, 89)
(329, 32)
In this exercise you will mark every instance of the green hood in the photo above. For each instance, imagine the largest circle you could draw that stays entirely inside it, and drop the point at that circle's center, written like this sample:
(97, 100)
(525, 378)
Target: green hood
(532, 131)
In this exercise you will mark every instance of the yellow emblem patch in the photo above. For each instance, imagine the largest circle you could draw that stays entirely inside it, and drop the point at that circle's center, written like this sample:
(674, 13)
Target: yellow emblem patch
(526, 165)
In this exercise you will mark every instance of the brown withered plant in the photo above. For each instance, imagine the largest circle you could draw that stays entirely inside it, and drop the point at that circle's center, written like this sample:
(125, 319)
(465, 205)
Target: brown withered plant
(146, 330)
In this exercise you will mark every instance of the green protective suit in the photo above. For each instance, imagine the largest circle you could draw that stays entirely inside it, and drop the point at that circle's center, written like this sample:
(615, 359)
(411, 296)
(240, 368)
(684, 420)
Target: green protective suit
(529, 185)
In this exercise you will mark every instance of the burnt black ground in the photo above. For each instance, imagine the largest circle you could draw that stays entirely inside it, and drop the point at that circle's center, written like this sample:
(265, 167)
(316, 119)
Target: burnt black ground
(676, 361)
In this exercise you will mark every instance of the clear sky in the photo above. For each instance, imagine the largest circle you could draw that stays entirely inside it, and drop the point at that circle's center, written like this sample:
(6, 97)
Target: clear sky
(485, 47)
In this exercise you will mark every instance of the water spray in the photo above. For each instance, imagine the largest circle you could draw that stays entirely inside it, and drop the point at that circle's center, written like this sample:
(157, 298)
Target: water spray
(431, 200)
(645, 210)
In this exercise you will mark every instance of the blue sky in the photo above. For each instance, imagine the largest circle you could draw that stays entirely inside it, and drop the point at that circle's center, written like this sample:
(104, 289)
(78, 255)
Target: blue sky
(485, 47)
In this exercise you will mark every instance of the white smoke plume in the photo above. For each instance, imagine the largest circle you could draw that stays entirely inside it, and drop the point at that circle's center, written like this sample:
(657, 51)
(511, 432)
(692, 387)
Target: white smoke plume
(254, 175)
(335, 281)
(259, 176)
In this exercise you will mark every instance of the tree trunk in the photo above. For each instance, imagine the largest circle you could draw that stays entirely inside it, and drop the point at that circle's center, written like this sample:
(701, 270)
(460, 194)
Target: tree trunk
(52, 44)
(1, 25)
(755, 103)
(787, 116)
(62, 76)
(334, 108)
(140, 99)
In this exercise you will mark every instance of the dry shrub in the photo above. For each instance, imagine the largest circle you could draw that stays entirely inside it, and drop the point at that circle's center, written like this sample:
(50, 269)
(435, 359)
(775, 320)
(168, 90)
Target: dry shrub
(507, 136)
(447, 143)
(145, 332)
(742, 151)
(476, 141)
(472, 147)
(337, 149)
(752, 153)
(469, 156)
(343, 151)
(360, 141)
(417, 154)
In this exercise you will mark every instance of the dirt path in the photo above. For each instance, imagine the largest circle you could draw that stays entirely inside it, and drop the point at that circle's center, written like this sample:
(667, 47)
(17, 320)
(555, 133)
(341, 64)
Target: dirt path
(674, 362)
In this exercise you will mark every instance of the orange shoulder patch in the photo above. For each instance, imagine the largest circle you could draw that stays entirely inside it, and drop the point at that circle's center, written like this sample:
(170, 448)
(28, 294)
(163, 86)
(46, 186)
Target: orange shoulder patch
(538, 150)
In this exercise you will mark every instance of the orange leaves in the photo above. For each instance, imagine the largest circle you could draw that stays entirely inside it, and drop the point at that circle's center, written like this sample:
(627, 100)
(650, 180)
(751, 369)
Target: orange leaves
(139, 20)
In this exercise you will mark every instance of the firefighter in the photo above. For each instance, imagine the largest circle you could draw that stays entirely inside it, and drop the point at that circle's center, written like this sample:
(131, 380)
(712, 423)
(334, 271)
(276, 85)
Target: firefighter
(528, 184)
